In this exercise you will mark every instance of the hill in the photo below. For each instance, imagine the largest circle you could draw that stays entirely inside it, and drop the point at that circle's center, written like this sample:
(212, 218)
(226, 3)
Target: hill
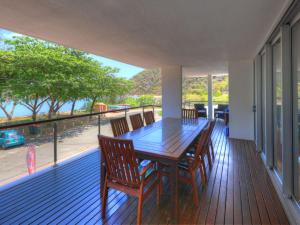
(147, 82)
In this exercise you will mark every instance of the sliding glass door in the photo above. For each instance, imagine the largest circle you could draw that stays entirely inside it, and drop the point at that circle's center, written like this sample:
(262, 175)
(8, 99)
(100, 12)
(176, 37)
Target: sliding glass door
(296, 108)
(263, 100)
(277, 106)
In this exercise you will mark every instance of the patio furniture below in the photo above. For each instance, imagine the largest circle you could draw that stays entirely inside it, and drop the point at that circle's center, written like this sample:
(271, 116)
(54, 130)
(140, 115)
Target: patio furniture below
(124, 173)
(219, 112)
(201, 110)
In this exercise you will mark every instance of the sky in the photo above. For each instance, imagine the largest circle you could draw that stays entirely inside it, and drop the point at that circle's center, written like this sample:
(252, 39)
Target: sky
(126, 70)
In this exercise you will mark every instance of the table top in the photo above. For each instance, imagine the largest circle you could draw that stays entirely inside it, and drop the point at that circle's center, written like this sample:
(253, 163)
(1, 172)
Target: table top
(168, 138)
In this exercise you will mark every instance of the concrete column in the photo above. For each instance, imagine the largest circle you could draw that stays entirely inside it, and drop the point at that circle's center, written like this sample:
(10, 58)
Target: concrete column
(171, 91)
(210, 100)
(241, 116)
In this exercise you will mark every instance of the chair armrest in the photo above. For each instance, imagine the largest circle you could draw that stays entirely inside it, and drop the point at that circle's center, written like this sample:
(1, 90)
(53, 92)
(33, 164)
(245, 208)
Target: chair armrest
(145, 168)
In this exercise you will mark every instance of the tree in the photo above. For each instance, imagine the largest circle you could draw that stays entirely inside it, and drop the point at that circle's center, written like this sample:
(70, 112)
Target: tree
(6, 96)
(38, 72)
(99, 83)
(28, 66)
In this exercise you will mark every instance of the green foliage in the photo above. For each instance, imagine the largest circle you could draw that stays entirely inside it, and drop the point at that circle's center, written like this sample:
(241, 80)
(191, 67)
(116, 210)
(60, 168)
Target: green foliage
(133, 102)
(140, 100)
(35, 72)
(147, 82)
(195, 89)
(146, 100)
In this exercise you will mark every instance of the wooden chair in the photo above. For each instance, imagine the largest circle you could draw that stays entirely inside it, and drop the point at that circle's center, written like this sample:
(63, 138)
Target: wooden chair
(149, 117)
(124, 173)
(210, 145)
(119, 126)
(190, 164)
(136, 121)
(189, 114)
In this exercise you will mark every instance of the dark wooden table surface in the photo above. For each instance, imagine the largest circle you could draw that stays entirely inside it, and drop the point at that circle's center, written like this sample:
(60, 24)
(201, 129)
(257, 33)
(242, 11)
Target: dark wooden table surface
(166, 141)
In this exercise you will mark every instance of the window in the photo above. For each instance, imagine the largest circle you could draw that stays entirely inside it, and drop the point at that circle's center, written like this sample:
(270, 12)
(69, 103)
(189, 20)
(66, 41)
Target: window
(263, 100)
(277, 106)
(296, 110)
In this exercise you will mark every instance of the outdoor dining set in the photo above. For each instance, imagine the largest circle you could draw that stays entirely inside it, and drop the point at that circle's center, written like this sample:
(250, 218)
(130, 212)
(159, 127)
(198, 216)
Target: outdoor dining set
(135, 162)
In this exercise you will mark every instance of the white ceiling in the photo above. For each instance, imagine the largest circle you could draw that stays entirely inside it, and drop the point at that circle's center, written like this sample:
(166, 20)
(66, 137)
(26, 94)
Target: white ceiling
(201, 35)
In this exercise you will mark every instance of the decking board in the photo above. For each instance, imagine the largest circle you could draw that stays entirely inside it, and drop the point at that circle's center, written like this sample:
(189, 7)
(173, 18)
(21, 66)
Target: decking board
(239, 191)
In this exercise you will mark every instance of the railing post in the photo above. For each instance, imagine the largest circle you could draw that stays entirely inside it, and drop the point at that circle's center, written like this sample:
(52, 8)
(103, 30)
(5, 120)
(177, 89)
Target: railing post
(143, 113)
(55, 141)
(99, 125)
(153, 109)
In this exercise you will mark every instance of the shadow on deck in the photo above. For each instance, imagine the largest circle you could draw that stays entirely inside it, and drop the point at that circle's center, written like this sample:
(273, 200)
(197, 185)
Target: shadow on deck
(239, 191)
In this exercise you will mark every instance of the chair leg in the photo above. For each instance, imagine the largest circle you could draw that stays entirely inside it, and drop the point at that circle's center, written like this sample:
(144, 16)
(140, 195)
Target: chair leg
(212, 149)
(209, 158)
(139, 210)
(203, 173)
(194, 186)
(104, 199)
(159, 186)
(159, 168)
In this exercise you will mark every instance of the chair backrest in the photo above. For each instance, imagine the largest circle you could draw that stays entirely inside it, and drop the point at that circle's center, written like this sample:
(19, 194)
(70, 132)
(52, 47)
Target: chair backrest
(136, 121)
(149, 117)
(189, 114)
(201, 145)
(199, 106)
(222, 107)
(120, 161)
(119, 126)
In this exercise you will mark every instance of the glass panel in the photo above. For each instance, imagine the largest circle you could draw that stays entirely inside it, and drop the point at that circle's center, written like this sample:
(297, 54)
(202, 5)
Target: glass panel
(105, 128)
(220, 92)
(76, 136)
(194, 91)
(277, 110)
(25, 149)
(263, 100)
(296, 76)
(158, 113)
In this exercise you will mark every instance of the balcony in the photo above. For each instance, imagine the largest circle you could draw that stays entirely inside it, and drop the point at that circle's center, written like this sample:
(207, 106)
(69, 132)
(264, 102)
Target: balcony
(239, 191)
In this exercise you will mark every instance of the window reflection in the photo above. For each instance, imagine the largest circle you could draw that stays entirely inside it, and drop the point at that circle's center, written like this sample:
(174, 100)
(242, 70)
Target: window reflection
(296, 80)
(277, 110)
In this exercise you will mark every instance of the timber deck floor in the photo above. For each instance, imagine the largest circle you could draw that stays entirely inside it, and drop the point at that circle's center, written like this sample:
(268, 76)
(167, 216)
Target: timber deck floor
(239, 191)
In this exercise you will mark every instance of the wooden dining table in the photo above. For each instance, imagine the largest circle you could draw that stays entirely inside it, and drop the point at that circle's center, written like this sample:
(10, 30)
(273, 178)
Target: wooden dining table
(166, 141)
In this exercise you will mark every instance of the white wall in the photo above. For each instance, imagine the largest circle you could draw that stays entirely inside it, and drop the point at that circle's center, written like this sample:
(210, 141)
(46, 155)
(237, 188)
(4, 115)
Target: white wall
(171, 91)
(241, 117)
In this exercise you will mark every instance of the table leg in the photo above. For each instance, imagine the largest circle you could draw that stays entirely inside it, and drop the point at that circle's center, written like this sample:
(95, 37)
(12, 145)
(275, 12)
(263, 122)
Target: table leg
(174, 192)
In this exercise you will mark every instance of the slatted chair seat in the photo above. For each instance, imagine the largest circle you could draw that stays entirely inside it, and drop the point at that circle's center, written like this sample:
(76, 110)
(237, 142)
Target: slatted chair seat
(126, 174)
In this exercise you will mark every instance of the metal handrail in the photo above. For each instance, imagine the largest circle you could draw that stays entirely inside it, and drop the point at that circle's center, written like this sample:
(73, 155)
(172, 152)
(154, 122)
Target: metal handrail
(72, 117)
